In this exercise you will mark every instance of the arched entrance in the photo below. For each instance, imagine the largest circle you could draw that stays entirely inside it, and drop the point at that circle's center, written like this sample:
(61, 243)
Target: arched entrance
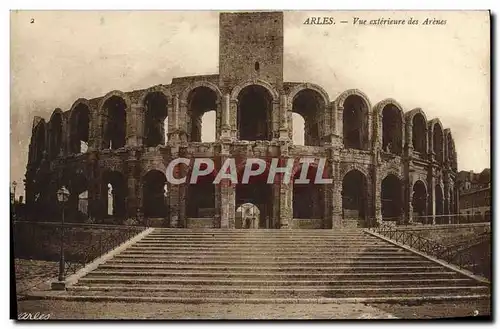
(308, 198)
(247, 216)
(200, 202)
(154, 193)
(254, 117)
(391, 198)
(354, 196)
(113, 194)
(419, 202)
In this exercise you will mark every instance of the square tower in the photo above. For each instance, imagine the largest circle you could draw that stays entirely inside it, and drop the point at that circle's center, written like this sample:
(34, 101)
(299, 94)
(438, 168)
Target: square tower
(251, 47)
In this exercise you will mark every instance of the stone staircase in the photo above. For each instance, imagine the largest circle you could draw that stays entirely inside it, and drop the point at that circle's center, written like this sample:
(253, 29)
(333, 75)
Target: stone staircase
(271, 266)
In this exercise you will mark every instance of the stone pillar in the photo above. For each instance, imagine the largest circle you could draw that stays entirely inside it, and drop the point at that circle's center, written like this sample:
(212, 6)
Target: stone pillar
(225, 133)
(134, 191)
(337, 221)
(94, 186)
(377, 195)
(133, 122)
(283, 119)
(227, 205)
(233, 118)
(409, 139)
(431, 197)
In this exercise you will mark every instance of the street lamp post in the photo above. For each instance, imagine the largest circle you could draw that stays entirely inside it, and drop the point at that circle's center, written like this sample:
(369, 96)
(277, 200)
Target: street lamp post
(62, 197)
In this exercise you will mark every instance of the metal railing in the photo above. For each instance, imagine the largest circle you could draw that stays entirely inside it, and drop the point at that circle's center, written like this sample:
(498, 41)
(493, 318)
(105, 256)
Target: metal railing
(456, 256)
(99, 248)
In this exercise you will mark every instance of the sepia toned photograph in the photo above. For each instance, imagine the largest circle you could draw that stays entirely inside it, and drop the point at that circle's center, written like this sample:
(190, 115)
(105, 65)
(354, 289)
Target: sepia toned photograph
(243, 165)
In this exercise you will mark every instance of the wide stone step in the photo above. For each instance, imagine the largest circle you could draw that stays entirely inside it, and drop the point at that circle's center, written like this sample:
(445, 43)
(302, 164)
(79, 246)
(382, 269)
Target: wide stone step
(259, 238)
(260, 257)
(256, 253)
(155, 263)
(269, 269)
(298, 244)
(277, 291)
(337, 282)
(272, 275)
(313, 248)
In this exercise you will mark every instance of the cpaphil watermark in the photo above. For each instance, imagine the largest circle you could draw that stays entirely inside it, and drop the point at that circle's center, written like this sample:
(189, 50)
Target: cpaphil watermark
(33, 316)
(277, 169)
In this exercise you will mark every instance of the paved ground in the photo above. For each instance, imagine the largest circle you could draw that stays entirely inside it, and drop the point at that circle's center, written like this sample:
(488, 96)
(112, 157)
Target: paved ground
(98, 310)
(30, 273)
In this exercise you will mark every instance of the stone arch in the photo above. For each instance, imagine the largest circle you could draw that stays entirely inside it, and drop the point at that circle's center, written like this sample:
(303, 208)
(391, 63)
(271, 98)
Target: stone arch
(56, 134)
(419, 195)
(156, 104)
(79, 125)
(393, 170)
(436, 136)
(391, 123)
(416, 120)
(254, 113)
(354, 195)
(185, 93)
(237, 89)
(311, 104)
(155, 89)
(356, 123)
(247, 216)
(354, 166)
(304, 86)
(153, 194)
(147, 166)
(115, 126)
(391, 198)
(39, 144)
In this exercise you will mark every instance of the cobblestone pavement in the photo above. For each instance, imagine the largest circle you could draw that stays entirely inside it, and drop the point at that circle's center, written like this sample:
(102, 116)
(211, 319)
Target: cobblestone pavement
(114, 310)
(30, 273)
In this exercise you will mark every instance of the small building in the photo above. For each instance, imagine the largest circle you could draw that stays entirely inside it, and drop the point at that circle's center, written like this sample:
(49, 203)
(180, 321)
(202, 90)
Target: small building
(475, 195)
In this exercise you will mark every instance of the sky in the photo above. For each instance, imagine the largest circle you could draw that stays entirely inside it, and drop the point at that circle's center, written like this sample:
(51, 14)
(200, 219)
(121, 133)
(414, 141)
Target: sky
(60, 56)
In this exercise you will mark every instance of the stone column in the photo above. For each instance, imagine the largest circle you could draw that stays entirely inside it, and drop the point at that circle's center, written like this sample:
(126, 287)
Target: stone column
(283, 118)
(94, 186)
(226, 118)
(377, 195)
(134, 192)
(173, 122)
(227, 205)
(431, 198)
(132, 124)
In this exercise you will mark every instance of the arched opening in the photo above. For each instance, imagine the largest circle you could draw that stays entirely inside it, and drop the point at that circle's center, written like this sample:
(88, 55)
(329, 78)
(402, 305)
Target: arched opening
(78, 198)
(156, 104)
(154, 198)
(298, 124)
(419, 134)
(55, 139)
(201, 197)
(247, 216)
(311, 106)
(115, 111)
(79, 131)
(258, 193)
(354, 196)
(208, 127)
(308, 199)
(39, 143)
(437, 142)
(478, 218)
(254, 118)
(440, 219)
(392, 130)
(392, 206)
(355, 123)
(419, 202)
(487, 216)
(200, 100)
(114, 192)
(451, 151)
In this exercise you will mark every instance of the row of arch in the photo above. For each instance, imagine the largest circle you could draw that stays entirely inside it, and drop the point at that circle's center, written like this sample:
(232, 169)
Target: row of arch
(256, 104)
(308, 200)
